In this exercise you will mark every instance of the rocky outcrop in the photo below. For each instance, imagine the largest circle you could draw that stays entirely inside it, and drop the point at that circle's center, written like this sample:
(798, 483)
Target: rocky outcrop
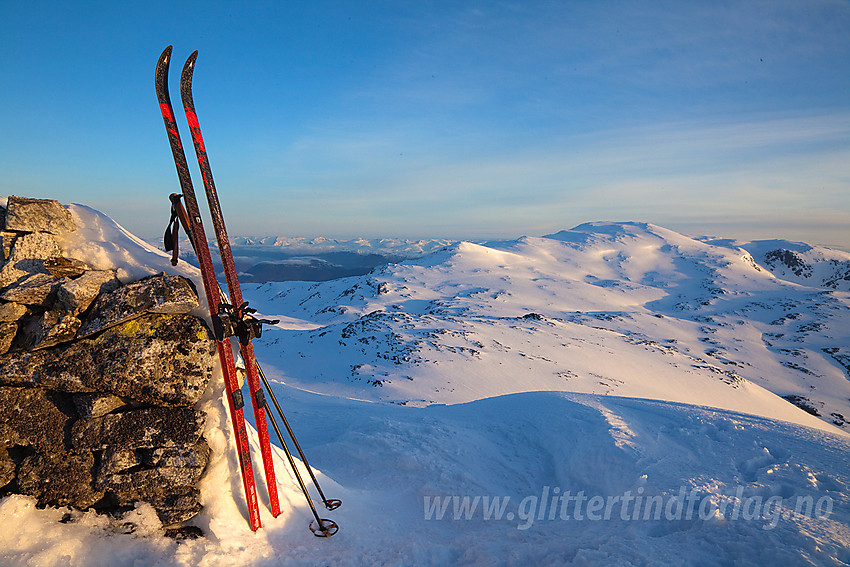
(98, 380)
(37, 215)
(163, 294)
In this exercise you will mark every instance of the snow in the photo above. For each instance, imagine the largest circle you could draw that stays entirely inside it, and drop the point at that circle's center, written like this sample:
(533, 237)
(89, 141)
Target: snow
(608, 395)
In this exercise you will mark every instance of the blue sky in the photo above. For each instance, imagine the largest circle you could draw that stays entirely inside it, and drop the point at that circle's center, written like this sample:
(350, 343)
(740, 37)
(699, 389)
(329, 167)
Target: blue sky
(443, 119)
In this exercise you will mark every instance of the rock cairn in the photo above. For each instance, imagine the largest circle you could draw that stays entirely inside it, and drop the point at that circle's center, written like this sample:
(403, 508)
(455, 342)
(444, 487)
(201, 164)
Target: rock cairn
(98, 380)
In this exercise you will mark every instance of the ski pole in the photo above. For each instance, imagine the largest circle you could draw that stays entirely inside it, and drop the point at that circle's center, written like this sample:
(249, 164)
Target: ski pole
(322, 527)
(331, 504)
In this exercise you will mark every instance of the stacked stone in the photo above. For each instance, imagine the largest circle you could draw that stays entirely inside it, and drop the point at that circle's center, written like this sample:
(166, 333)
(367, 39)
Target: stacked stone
(98, 380)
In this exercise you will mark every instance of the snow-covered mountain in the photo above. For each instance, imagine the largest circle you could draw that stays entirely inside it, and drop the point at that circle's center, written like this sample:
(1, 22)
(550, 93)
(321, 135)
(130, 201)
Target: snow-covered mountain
(662, 436)
(625, 309)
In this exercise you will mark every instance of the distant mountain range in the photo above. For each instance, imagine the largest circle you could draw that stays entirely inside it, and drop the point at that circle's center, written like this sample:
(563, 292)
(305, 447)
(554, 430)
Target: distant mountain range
(279, 258)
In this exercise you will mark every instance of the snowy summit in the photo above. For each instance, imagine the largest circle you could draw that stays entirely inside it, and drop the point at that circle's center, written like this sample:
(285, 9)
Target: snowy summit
(614, 394)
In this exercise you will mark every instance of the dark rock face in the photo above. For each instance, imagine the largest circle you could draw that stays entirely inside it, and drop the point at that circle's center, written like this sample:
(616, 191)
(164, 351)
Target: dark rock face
(59, 479)
(32, 417)
(140, 429)
(98, 381)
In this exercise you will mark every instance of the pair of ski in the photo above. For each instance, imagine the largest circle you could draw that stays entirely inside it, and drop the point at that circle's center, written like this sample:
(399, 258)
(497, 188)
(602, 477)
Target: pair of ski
(229, 318)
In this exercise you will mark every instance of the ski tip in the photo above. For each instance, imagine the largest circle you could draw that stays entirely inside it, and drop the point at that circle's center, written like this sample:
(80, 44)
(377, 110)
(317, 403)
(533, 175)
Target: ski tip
(188, 71)
(166, 53)
(161, 74)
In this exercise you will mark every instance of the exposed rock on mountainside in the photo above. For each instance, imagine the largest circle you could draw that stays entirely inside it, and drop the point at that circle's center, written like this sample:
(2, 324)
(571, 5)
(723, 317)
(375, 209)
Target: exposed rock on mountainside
(803, 264)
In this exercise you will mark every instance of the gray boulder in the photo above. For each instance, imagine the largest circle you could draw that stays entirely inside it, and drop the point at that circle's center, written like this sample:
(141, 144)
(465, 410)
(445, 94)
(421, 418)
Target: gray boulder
(27, 257)
(38, 215)
(34, 418)
(196, 456)
(62, 267)
(154, 294)
(49, 329)
(32, 289)
(175, 507)
(60, 479)
(117, 459)
(12, 312)
(139, 429)
(97, 405)
(76, 295)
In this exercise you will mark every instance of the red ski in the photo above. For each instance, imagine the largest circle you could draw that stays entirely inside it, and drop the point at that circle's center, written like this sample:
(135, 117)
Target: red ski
(235, 319)
(199, 242)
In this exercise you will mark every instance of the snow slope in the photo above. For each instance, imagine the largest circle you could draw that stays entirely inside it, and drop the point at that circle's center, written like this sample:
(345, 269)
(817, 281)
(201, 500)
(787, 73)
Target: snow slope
(662, 439)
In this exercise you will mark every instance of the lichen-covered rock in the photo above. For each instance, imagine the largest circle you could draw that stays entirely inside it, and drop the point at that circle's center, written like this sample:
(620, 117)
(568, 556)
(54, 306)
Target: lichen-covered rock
(7, 239)
(62, 267)
(7, 467)
(60, 479)
(155, 294)
(139, 429)
(76, 295)
(170, 490)
(117, 459)
(133, 485)
(196, 456)
(175, 507)
(29, 251)
(165, 477)
(7, 336)
(97, 405)
(160, 360)
(34, 289)
(49, 329)
(34, 418)
(12, 312)
(38, 215)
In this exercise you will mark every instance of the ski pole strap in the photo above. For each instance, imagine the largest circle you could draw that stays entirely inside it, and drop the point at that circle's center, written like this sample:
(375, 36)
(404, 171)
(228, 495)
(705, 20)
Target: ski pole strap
(238, 322)
(171, 231)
